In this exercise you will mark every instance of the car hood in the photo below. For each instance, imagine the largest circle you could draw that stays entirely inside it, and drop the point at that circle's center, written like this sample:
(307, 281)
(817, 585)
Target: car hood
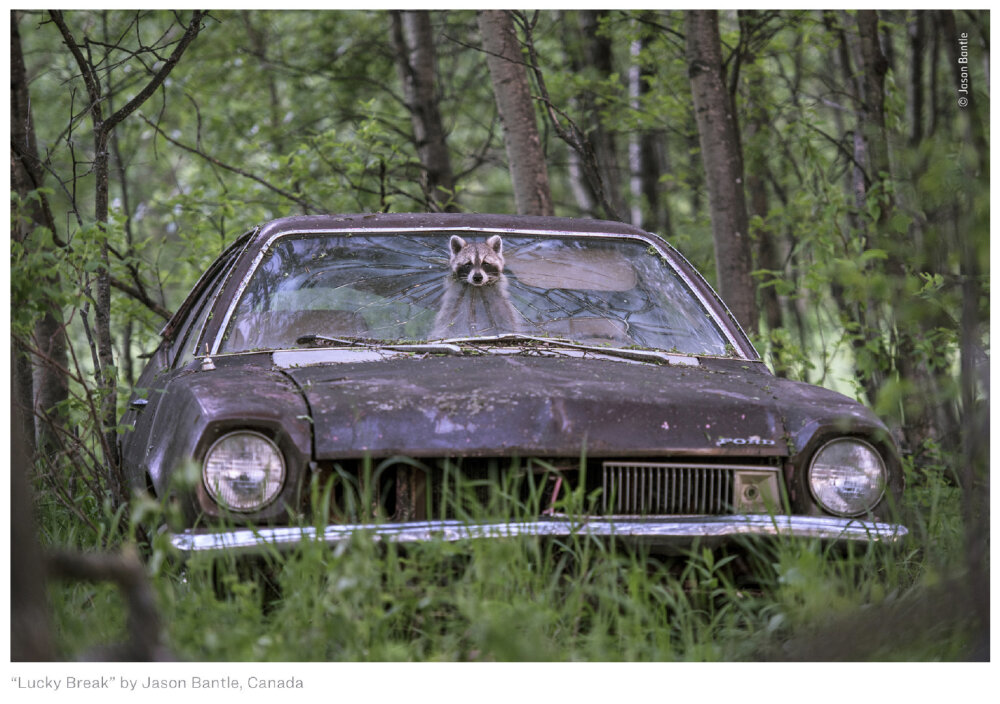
(512, 404)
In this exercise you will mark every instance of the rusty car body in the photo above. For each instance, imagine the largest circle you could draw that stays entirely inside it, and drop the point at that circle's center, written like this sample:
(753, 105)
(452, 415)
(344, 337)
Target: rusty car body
(624, 401)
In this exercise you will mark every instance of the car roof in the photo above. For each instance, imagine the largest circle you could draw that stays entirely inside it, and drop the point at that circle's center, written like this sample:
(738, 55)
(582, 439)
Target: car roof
(431, 221)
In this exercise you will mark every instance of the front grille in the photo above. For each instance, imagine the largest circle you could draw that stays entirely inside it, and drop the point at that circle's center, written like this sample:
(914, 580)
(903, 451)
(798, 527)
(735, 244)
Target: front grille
(656, 488)
(496, 486)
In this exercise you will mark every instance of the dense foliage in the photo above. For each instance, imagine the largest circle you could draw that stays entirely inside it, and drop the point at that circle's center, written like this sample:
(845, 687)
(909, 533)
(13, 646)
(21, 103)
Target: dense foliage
(867, 193)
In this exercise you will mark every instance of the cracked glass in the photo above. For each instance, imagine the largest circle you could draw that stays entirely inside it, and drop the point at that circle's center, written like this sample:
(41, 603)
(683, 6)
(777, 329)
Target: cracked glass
(402, 287)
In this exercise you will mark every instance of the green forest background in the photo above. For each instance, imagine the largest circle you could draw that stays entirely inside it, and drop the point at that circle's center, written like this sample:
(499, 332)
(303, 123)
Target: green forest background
(144, 142)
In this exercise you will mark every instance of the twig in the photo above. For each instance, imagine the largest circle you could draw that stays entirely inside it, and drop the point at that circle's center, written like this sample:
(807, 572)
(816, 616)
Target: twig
(303, 203)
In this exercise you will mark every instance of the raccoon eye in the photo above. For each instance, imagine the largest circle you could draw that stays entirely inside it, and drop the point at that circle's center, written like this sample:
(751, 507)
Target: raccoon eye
(491, 269)
(463, 270)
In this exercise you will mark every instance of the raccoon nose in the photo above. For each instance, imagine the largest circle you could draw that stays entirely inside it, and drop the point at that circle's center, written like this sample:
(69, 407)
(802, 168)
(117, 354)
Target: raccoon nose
(477, 277)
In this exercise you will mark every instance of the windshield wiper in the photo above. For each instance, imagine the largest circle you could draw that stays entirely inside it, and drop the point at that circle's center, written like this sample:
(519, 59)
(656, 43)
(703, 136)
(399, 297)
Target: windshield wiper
(621, 352)
(453, 346)
(440, 347)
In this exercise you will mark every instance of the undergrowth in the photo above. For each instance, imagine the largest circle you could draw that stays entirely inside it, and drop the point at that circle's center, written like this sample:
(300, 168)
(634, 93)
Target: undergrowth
(535, 599)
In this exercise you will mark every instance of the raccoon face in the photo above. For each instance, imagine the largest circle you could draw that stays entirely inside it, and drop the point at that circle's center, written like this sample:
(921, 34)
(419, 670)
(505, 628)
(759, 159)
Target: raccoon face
(477, 263)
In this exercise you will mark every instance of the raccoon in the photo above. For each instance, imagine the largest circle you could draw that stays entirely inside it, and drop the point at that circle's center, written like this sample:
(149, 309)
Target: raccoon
(478, 263)
(476, 300)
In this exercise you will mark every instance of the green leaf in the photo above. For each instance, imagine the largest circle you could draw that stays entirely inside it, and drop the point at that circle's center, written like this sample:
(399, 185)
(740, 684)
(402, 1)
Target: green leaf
(872, 254)
(900, 223)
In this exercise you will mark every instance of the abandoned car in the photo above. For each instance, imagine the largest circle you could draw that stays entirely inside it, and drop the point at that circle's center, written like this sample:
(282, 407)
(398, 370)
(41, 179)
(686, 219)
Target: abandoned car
(456, 376)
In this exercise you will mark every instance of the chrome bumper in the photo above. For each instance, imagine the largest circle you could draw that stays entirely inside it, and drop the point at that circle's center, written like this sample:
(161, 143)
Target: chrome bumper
(676, 532)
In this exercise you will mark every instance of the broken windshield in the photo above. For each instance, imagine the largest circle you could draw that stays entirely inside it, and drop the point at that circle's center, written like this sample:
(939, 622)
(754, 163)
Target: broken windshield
(394, 287)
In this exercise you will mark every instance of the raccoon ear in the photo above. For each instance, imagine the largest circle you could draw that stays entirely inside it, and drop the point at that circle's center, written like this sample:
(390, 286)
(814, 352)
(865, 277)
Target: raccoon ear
(495, 243)
(455, 244)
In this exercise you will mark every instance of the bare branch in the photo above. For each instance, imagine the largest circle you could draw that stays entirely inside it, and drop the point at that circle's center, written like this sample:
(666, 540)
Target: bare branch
(90, 79)
(141, 296)
(305, 204)
(131, 106)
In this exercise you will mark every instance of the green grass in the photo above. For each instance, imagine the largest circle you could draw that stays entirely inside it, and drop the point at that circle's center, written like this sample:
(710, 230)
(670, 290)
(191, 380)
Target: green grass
(576, 599)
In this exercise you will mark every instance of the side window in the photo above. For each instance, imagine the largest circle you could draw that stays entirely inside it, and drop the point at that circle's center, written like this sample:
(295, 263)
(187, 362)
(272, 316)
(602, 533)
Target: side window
(185, 345)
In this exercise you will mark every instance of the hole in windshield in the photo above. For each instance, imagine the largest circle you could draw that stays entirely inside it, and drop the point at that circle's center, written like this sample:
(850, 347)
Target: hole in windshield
(397, 287)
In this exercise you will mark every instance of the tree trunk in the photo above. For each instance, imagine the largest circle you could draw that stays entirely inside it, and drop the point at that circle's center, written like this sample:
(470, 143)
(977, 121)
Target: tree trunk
(103, 128)
(27, 176)
(107, 372)
(22, 396)
(526, 159)
(578, 184)
(416, 61)
(756, 149)
(723, 163)
(922, 396)
(975, 440)
(969, 235)
(51, 384)
(30, 621)
(596, 53)
(22, 139)
(874, 67)
(640, 204)
(765, 246)
(646, 157)
(857, 315)
(259, 43)
(935, 93)
(915, 94)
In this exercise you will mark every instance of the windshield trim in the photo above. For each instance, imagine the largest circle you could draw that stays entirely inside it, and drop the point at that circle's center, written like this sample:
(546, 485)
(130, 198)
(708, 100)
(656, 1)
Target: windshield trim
(692, 285)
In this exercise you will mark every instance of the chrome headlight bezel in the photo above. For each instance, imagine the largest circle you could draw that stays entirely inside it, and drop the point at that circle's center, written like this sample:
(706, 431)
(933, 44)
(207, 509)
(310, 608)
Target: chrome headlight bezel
(872, 481)
(274, 469)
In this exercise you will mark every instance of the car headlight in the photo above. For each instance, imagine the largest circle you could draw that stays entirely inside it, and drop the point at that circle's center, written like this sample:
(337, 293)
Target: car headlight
(847, 477)
(244, 471)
